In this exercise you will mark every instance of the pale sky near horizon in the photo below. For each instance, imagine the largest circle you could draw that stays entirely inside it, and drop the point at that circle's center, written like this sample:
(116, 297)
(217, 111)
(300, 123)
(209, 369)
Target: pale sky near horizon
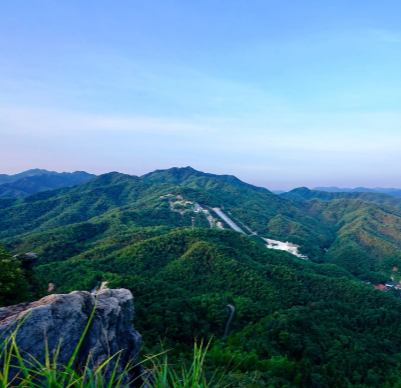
(280, 93)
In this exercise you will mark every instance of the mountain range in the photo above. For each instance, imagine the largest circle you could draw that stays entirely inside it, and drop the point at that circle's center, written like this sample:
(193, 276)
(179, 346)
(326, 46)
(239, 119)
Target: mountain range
(354, 230)
(4, 178)
(35, 180)
(297, 323)
(304, 194)
(390, 191)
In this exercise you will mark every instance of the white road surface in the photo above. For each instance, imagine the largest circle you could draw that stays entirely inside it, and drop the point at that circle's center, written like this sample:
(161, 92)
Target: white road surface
(231, 223)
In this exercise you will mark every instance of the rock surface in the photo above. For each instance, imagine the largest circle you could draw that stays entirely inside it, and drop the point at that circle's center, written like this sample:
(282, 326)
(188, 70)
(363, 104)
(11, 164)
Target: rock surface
(64, 317)
(51, 288)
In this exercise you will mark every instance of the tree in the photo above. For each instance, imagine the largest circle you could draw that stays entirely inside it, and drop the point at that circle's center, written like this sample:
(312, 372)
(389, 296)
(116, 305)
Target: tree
(17, 279)
(13, 286)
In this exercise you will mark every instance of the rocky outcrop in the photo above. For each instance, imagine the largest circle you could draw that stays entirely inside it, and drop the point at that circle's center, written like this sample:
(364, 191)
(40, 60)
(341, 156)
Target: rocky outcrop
(64, 317)
(52, 288)
(27, 260)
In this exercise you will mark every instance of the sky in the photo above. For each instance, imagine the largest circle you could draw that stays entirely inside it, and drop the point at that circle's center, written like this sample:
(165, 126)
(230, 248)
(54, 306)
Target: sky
(280, 93)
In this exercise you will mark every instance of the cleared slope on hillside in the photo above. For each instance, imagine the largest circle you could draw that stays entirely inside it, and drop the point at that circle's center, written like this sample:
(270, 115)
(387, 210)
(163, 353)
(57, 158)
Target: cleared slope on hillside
(262, 211)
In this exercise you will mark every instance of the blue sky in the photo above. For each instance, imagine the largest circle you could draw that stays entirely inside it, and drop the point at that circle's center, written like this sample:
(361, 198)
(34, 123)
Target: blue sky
(279, 93)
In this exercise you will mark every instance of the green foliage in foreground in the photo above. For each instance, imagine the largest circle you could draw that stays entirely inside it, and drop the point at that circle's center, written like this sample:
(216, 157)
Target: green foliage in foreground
(190, 374)
(19, 371)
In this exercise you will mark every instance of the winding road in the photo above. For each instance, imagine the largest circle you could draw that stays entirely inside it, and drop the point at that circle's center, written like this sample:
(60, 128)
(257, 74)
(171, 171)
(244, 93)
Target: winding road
(232, 309)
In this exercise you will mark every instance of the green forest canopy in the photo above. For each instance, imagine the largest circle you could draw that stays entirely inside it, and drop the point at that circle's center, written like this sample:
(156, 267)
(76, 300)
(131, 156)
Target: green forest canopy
(297, 323)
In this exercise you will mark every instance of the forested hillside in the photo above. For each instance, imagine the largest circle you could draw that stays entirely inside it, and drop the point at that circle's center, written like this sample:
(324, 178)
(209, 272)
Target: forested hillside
(366, 226)
(304, 194)
(297, 323)
(350, 232)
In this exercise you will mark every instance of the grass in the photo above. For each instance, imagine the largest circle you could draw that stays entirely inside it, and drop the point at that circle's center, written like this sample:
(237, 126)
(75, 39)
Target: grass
(19, 370)
(165, 374)
(23, 370)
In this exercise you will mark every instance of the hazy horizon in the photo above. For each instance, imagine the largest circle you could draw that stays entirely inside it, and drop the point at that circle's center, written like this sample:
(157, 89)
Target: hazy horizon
(210, 172)
(280, 94)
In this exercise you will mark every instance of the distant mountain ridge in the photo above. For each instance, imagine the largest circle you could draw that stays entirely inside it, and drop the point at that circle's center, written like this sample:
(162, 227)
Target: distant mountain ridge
(304, 194)
(32, 181)
(390, 191)
(4, 178)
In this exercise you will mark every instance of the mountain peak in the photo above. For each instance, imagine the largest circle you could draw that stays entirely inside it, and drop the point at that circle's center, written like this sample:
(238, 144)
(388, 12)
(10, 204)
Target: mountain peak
(188, 175)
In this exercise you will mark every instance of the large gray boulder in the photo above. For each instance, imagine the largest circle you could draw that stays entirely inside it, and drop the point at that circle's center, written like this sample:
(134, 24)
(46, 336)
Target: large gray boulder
(64, 317)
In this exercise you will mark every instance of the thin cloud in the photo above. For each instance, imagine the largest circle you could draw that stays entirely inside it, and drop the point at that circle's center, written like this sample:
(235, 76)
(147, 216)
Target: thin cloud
(325, 134)
(25, 120)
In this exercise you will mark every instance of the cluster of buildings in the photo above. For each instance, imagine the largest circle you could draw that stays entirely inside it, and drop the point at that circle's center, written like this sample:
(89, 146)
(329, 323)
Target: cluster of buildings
(388, 286)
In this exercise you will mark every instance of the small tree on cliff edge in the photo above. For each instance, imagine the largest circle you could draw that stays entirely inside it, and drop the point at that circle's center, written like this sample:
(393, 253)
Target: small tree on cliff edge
(17, 283)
